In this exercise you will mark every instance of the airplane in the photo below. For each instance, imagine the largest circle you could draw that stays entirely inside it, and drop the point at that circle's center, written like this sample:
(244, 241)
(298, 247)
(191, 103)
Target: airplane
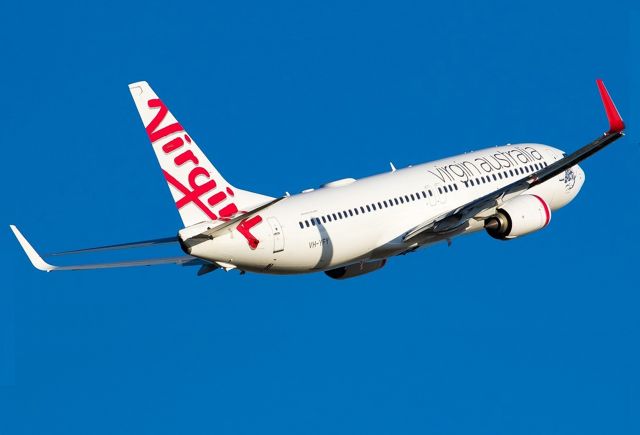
(348, 227)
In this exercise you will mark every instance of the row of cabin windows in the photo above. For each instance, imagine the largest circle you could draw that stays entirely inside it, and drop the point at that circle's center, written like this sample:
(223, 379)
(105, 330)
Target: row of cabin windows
(372, 207)
(505, 174)
(414, 197)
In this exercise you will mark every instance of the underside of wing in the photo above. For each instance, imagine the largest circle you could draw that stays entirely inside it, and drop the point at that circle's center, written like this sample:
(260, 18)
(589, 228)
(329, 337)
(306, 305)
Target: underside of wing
(130, 245)
(458, 218)
(40, 264)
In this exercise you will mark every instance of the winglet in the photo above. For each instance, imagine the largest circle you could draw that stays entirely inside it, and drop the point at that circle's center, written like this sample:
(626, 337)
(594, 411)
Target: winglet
(35, 259)
(616, 124)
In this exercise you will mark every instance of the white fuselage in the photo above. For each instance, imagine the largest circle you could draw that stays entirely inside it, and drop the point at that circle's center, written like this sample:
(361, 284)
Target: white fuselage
(349, 221)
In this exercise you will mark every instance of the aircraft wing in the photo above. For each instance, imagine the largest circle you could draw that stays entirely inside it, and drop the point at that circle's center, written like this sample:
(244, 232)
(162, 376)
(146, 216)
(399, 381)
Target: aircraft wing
(141, 244)
(459, 217)
(39, 263)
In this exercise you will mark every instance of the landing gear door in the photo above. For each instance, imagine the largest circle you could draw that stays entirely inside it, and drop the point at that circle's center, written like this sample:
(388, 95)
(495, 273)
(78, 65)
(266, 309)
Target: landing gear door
(278, 237)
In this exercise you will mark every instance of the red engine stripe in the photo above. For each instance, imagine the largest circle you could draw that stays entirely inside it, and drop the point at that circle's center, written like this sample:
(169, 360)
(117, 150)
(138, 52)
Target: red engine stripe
(547, 212)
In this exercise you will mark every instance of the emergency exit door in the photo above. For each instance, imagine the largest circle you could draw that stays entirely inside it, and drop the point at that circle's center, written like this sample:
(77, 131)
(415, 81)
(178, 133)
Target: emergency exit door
(278, 237)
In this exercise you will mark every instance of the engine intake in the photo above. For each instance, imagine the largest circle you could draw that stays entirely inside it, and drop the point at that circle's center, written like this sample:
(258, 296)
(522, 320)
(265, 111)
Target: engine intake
(356, 269)
(519, 216)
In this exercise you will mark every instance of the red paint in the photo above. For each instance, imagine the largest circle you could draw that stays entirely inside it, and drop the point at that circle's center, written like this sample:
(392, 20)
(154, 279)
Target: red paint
(217, 198)
(172, 145)
(228, 210)
(200, 172)
(547, 212)
(192, 196)
(244, 228)
(616, 124)
(193, 193)
(185, 157)
(157, 120)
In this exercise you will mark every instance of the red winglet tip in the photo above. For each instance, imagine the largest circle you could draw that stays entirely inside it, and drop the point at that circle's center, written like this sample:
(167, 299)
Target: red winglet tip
(616, 124)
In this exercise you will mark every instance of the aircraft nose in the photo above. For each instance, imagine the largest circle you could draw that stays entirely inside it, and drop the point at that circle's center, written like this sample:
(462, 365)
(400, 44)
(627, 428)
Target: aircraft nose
(580, 177)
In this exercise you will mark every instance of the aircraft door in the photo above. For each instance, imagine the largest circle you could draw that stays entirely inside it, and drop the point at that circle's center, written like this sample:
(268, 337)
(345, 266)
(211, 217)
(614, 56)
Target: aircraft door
(278, 236)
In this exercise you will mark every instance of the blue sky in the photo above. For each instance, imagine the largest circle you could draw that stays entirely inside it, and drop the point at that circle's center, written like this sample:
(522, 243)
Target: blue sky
(537, 335)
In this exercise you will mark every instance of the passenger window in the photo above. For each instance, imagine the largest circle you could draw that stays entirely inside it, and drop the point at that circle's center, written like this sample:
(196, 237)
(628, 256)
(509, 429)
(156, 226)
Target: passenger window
(424, 194)
(412, 197)
(440, 191)
(385, 203)
(306, 223)
(362, 209)
(380, 206)
(430, 192)
(456, 186)
(350, 212)
(300, 223)
(471, 182)
(406, 198)
(368, 208)
(324, 219)
(329, 217)
(334, 217)
(340, 215)
(313, 221)
(401, 200)
(500, 175)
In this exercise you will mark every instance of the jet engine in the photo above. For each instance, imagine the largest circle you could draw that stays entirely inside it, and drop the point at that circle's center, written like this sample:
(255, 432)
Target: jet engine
(521, 215)
(356, 269)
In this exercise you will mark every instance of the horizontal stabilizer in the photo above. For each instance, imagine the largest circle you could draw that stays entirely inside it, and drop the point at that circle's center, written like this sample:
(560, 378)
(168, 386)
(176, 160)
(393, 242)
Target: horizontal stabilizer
(191, 240)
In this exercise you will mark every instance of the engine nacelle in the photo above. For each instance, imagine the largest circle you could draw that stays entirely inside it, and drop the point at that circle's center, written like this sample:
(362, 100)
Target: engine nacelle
(357, 269)
(521, 215)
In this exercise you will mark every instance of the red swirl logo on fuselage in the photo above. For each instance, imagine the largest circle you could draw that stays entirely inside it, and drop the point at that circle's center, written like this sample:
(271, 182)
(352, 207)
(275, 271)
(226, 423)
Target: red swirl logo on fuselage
(194, 191)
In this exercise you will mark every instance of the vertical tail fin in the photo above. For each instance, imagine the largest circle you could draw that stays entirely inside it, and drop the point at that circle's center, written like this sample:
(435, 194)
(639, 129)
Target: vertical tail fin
(198, 189)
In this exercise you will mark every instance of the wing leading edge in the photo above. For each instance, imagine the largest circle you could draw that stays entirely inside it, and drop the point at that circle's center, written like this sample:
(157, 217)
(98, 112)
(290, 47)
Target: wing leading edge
(458, 218)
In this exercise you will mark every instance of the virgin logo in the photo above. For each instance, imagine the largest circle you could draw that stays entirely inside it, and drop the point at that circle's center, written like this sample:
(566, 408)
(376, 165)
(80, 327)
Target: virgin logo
(200, 183)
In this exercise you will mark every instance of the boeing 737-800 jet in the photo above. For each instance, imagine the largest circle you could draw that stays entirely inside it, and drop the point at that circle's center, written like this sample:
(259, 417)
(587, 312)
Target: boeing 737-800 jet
(349, 227)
